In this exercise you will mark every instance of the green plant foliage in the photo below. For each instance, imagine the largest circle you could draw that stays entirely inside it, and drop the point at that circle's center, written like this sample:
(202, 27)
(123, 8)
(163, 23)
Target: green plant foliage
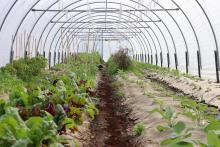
(179, 127)
(8, 82)
(15, 132)
(119, 61)
(26, 69)
(214, 138)
(112, 66)
(47, 102)
(139, 129)
(41, 129)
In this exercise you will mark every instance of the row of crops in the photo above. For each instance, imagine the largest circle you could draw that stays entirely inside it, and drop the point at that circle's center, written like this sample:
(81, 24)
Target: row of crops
(182, 122)
(45, 106)
(42, 107)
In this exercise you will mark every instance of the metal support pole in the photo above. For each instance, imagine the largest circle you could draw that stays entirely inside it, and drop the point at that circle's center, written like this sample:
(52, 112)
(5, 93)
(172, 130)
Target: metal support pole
(161, 59)
(58, 57)
(145, 58)
(199, 63)
(176, 61)
(54, 58)
(156, 59)
(102, 44)
(44, 54)
(25, 54)
(62, 57)
(148, 59)
(11, 56)
(187, 62)
(142, 58)
(217, 66)
(49, 59)
(151, 59)
(168, 60)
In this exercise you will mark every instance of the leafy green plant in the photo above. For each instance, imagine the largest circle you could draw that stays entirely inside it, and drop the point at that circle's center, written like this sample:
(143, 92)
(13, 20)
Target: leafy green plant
(15, 132)
(26, 68)
(180, 136)
(8, 82)
(119, 61)
(112, 66)
(139, 129)
(47, 102)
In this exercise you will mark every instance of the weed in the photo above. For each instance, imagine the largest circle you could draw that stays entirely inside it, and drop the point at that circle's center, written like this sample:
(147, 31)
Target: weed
(151, 95)
(138, 129)
(118, 61)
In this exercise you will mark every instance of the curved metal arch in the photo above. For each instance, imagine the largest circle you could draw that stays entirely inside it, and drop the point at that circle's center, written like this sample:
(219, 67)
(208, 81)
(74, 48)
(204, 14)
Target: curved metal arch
(216, 43)
(21, 22)
(145, 29)
(6, 16)
(72, 39)
(129, 41)
(184, 38)
(99, 15)
(53, 26)
(194, 31)
(140, 42)
(163, 23)
(86, 26)
(212, 28)
(109, 2)
(28, 39)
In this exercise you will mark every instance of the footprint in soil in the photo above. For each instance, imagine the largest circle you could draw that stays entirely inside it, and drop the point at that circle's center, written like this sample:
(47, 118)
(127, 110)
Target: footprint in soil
(109, 129)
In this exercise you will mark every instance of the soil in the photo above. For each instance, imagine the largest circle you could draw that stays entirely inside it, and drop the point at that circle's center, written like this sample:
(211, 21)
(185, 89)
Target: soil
(112, 126)
(140, 94)
(201, 90)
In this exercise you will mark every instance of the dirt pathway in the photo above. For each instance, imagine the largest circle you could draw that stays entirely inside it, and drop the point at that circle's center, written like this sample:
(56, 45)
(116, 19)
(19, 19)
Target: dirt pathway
(110, 128)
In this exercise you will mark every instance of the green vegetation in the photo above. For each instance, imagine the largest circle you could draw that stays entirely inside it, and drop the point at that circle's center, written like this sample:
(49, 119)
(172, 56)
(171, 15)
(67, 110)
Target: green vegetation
(45, 104)
(139, 129)
(204, 117)
(26, 69)
(139, 68)
(118, 61)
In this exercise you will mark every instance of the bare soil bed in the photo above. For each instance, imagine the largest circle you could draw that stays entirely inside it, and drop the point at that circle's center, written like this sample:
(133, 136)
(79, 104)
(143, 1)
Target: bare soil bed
(111, 126)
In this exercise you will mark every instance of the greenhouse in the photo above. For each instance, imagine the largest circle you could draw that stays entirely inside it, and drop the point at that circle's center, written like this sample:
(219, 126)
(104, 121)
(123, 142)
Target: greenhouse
(109, 73)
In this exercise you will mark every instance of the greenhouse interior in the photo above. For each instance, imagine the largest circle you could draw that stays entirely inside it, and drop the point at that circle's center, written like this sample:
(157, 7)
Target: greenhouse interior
(109, 73)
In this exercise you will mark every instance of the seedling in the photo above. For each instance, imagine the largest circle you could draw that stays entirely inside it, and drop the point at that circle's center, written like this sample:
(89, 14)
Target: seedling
(139, 129)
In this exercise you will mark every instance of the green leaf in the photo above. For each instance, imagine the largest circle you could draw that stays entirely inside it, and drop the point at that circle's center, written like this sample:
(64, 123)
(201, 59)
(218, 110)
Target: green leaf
(168, 113)
(182, 144)
(175, 139)
(213, 139)
(69, 123)
(170, 141)
(213, 125)
(21, 143)
(12, 127)
(162, 128)
(40, 129)
(179, 127)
